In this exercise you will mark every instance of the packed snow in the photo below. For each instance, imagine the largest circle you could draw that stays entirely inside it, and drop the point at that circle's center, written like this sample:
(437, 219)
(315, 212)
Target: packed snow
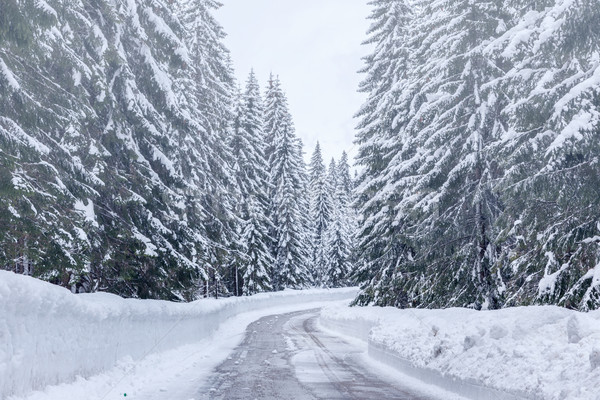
(548, 353)
(87, 345)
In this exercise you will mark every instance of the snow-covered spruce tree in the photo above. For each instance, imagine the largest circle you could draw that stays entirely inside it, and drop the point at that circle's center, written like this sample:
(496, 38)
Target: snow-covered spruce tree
(445, 167)
(343, 175)
(111, 155)
(438, 248)
(288, 191)
(332, 177)
(321, 211)
(214, 100)
(338, 240)
(41, 229)
(60, 80)
(348, 185)
(251, 171)
(255, 239)
(248, 144)
(550, 152)
(494, 171)
(274, 114)
(379, 241)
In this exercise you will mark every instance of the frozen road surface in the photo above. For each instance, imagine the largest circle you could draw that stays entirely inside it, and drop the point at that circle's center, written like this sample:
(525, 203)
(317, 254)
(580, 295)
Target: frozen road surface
(287, 357)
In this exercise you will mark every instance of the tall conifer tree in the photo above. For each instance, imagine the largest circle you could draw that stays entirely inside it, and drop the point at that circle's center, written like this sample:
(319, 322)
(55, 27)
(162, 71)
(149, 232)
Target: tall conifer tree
(321, 209)
(251, 171)
(288, 191)
(466, 130)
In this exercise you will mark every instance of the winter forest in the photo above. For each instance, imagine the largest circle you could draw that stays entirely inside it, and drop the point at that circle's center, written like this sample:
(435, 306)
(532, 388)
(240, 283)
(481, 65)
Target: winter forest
(133, 162)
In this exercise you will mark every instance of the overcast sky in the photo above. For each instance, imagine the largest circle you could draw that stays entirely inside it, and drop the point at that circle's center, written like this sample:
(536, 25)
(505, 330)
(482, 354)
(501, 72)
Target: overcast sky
(315, 48)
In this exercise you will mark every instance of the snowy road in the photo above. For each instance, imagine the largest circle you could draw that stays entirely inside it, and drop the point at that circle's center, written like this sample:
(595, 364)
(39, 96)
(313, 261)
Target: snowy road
(287, 357)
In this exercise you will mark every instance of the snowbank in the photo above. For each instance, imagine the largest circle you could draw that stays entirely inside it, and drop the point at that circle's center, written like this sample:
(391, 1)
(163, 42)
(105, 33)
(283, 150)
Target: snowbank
(50, 336)
(545, 353)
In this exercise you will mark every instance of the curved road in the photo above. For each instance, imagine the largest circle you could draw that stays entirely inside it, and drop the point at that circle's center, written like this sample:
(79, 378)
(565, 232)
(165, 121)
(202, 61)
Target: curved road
(287, 357)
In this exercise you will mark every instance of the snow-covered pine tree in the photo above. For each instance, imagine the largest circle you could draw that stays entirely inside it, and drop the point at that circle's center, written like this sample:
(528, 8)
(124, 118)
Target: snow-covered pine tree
(343, 175)
(492, 129)
(332, 177)
(438, 181)
(288, 191)
(338, 240)
(273, 114)
(321, 209)
(446, 153)
(213, 92)
(255, 239)
(251, 171)
(348, 185)
(105, 120)
(550, 153)
(379, 240)
(249, 147)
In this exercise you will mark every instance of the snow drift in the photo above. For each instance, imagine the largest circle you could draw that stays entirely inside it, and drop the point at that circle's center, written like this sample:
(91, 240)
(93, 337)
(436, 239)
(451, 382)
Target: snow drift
(546, 353)
(49, 335)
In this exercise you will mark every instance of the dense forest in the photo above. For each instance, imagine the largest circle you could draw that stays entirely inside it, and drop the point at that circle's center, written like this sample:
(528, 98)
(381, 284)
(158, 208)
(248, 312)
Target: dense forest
(133, 162)
(479, 146)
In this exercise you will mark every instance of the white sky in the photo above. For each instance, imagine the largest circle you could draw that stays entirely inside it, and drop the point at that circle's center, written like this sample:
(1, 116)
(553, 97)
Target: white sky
(315, 48)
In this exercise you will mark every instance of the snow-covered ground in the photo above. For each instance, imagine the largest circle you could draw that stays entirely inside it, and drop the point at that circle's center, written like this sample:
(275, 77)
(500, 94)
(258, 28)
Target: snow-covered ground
(101, 346)
(545, 353)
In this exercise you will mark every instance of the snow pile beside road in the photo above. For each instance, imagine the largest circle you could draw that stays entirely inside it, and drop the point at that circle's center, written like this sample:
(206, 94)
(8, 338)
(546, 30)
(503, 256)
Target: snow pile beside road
(545, 353)
(50, 336)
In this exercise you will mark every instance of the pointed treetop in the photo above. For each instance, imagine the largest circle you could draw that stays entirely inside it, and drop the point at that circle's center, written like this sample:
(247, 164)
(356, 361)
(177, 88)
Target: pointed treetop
(316, 166)
(343, 174)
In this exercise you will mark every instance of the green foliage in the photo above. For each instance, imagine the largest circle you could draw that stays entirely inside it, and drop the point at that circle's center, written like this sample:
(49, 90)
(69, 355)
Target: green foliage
(480, 156)
(113, 172)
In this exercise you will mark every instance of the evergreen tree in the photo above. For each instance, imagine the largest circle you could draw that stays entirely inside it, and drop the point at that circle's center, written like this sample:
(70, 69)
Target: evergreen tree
(452, 172)
(258, 259)
(467, 141)
(316, 168)
(338, 249)
(213, 96)
(125, 133)
(349, 211)
(332, 175)
(275, 114)
(288, 185)
(379, 238)
(320, 212)
(550, 153)
(251, 171)
(343, 175)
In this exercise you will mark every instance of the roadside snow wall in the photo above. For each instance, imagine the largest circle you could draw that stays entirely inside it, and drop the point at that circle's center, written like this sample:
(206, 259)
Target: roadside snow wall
(49, 336)
(547, 353)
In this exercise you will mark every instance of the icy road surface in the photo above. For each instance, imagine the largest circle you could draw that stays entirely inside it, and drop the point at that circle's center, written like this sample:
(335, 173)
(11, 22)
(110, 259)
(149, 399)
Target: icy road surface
(287, 357)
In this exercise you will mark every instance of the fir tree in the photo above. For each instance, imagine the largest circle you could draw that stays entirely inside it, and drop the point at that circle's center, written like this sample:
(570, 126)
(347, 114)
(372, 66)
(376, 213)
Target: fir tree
(343, 175)
(288, 184)
(467, 141)
(338, 244)
(213, 97)
(550, 153)
(251, 171)
(379, 239)
(127, 133)
(258, 259)
(320, 212)
(332, 175)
